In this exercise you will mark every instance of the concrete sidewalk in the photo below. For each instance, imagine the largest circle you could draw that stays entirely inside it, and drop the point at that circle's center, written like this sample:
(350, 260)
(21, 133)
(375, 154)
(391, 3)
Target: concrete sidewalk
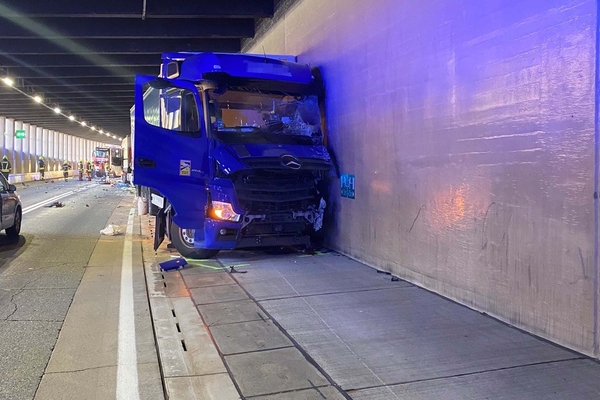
(301, 326)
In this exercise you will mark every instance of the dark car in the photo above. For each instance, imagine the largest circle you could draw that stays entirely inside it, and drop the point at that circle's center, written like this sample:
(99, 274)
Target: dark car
(11, 210)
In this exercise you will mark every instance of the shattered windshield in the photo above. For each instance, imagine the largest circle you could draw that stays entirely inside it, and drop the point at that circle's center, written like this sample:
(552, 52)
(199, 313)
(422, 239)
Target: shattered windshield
(239, 112)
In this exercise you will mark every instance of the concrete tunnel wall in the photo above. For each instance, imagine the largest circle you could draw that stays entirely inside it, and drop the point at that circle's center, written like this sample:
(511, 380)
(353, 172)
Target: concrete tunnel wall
(54, 146)
(470, 128)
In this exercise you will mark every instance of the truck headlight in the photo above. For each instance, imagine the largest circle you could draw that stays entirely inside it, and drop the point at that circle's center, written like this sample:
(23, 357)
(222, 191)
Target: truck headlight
(224, 212)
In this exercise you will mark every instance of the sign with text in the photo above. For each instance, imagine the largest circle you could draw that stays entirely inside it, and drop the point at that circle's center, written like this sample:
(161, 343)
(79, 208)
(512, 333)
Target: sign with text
(347, 182)
(20, 133)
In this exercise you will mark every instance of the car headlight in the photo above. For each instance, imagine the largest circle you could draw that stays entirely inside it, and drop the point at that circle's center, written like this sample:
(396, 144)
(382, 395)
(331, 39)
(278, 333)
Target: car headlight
(224, 212)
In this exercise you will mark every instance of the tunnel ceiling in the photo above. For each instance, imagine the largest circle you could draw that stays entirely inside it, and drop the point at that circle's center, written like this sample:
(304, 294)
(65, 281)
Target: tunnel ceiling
(83, 56)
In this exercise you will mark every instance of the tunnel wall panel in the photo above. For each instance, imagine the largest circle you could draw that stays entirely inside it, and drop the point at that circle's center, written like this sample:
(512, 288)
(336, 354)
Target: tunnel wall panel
(469, 126)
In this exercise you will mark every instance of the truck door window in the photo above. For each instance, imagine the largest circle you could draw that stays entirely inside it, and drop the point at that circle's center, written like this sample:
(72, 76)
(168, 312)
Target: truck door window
(174, 109)
(180, 112)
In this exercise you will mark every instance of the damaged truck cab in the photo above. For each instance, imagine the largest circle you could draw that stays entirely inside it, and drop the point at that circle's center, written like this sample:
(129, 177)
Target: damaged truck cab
(232, 144)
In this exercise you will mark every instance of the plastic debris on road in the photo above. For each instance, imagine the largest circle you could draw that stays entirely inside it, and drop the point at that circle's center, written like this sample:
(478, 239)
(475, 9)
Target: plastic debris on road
(173, 264)
(57, 204)
(111, 230)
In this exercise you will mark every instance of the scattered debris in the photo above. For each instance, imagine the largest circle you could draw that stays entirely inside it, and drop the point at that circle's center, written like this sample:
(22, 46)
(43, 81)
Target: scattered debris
(232, 270)
(173, 264)
(395, 279)
(87, 205)
(111, 230)
(57, 204)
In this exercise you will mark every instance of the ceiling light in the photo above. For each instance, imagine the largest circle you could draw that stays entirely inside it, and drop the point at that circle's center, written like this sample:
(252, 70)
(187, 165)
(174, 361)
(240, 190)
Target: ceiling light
(107, 134)
(114, 136)
(71, 117)
(8, 81)
(101, 131)
(93, 128)
(57, 110)
(83, 123)
(37, 99)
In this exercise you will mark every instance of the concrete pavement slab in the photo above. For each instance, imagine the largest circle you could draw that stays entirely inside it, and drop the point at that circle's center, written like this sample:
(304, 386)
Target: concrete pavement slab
(321, 393)
(204, 280)
(196, 267)
(573, 380)
(301, 275)
(273, 371)
(231, 312)
(98, 384)
(249, 336)
(217, 294)
(104, 252)
(88, 338)
(175, 327)
(208, 387)
(402, 335)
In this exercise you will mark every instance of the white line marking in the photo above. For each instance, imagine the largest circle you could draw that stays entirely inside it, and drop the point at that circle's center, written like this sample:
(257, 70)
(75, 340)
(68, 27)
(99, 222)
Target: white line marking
(52, 199)
(127, 373)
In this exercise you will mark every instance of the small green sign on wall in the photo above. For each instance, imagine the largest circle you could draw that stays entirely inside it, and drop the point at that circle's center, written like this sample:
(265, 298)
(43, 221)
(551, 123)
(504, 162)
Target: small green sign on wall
(347, 182)
(20, 133)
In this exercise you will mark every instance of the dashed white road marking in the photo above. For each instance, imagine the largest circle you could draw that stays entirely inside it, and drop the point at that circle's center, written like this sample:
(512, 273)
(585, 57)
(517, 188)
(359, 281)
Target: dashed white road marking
(52, 199)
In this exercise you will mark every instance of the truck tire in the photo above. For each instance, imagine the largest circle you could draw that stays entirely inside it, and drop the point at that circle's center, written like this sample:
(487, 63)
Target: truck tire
(183, 240)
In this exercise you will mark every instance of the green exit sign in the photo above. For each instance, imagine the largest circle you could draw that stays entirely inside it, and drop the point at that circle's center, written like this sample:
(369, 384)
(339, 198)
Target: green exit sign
(20, 133)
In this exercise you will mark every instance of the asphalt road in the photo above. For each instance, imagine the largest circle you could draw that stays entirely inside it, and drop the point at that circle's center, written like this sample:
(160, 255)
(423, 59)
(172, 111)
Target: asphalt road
(40, 274)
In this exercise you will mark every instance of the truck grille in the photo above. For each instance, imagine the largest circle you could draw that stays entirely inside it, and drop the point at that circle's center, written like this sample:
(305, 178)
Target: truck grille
(275, 163)
(268, 193)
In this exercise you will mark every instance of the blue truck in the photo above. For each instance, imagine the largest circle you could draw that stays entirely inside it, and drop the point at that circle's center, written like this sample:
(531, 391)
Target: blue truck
(231, 149)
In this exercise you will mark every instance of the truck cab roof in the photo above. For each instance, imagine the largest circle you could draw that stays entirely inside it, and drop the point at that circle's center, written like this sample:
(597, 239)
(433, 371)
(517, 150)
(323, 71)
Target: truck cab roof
(198, 66)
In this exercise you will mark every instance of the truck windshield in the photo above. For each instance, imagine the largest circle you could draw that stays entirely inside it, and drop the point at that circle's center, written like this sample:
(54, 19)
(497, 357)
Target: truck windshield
(243, 113)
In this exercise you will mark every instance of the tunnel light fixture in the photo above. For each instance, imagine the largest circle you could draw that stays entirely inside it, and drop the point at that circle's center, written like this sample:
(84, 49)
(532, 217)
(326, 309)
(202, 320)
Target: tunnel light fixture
(101, 131)
(8, 81)
(37, 98)
(83, 123)
(57, 110)
(93, 128)
(114, 136)
(72, 117)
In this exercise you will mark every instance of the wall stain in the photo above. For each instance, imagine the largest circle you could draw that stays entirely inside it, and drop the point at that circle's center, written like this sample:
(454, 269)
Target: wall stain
(484, 240)
(415, 220)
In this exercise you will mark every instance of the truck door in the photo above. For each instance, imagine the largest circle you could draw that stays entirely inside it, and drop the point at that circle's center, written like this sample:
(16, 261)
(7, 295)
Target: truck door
(171, 146)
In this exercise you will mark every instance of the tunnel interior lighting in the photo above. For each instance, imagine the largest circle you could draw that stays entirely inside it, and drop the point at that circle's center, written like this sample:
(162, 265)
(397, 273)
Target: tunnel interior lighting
(72, 118)
(8, 81)
(101, 131)
(83, 123)
(37, 99)
(93, 128)
(57, 110)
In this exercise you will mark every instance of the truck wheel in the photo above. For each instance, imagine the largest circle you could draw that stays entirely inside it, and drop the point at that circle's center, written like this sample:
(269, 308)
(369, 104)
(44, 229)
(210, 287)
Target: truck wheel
(183, 240)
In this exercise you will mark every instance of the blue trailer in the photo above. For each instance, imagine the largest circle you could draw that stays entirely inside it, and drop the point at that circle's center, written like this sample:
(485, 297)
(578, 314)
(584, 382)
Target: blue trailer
(233, 149)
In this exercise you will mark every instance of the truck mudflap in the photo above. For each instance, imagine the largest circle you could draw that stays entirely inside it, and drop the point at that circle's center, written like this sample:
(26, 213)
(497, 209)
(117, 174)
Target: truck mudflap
(160, 228)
